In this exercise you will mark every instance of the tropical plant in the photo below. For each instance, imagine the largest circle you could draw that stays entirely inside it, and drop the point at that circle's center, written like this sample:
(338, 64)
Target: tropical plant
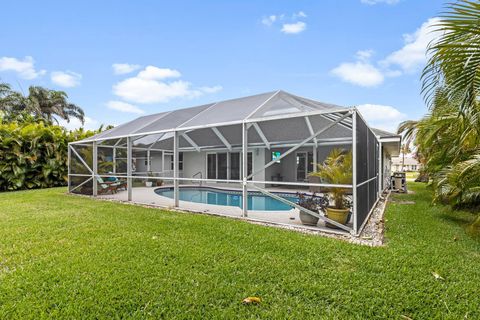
(447, 139)
(34, 154)
(313, 202)
(337, 169)
(41, 103)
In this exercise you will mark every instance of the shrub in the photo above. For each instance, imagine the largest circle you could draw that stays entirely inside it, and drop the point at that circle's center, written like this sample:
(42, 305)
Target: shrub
(34, 155)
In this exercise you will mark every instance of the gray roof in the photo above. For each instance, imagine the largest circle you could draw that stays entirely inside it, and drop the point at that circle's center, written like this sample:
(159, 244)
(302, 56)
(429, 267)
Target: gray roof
(384, 134)
(222, 113)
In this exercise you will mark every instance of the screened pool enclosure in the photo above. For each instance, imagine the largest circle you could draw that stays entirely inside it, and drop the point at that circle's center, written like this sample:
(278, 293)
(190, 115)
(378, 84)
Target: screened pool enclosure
(247, 158)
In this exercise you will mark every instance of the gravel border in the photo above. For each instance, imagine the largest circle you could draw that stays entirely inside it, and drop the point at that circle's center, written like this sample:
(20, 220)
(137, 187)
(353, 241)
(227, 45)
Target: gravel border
(372, 234)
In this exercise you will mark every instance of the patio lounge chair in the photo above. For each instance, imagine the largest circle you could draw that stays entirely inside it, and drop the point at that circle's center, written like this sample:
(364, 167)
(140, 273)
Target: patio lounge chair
(122, 184)
(107, 186)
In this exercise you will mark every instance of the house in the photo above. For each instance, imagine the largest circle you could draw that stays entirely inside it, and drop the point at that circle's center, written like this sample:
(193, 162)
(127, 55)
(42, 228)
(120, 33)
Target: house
(244, 157)
(407, 163)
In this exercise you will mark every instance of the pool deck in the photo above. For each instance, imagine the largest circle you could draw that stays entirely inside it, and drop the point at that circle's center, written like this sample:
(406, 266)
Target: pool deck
(147, 196)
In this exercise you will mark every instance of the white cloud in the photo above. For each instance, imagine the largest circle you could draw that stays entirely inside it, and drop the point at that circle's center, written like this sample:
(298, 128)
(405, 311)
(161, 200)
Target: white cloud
(90, 124)
(268, 21)
(155, 73)
(299, 14)
(66, 79)
(373, 2)
(124, 107)
(213, 89)
(382, 116)
(413, 54)
(360, 73)
(364, 55)
(24, 68)
(151, 85)
(124, 68)
(294, 28)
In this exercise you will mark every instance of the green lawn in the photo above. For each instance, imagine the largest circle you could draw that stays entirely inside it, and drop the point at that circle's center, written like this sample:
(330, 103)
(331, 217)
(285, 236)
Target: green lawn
(70, 257)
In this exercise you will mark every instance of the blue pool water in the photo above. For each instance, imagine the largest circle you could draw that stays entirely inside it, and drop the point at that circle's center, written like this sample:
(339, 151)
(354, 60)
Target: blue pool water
(256, 200)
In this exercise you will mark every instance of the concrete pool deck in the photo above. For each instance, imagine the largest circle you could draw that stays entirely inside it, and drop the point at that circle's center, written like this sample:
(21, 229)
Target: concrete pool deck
(290, 218)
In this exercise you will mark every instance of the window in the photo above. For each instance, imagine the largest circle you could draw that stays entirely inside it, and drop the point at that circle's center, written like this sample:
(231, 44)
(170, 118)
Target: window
(180, 162)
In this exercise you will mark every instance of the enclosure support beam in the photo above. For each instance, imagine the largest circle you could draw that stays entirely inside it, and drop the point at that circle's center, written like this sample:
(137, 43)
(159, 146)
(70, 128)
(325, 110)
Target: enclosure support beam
(163, 161)
(222, 138)
(114, 160)
(175, 169)
(129, 168)
(261, 134)
(380, 169)
(244, 169)
(310, 129)
(82, 161)
(293, 149)
(354, 169)
(69, 168)
(315, 158)
(148, 161)
(293, 204)
(190, 140)
(95, 168)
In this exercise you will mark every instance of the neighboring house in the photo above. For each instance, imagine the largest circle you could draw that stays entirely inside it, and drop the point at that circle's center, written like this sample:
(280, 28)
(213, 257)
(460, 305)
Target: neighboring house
(261, 144)
(409, 164)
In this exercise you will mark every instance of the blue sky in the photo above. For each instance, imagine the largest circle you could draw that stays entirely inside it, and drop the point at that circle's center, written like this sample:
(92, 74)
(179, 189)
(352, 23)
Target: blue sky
(119, 59)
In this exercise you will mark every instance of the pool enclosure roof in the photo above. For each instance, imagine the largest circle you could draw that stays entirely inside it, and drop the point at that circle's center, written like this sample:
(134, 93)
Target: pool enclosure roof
(257, 108)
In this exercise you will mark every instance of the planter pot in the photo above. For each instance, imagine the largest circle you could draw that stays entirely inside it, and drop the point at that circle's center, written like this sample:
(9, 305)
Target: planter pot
(159, 183)
(337, 215)
(308, 219)
(148, 183)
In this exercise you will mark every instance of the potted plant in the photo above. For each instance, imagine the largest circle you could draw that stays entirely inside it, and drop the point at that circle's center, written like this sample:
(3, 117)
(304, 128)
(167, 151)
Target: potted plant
(313, 203)
(149, 182)
(337, 169)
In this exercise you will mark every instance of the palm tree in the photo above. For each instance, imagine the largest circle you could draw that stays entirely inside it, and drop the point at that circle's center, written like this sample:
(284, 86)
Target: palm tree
(42, 103)
(49, 104)
(447, 139)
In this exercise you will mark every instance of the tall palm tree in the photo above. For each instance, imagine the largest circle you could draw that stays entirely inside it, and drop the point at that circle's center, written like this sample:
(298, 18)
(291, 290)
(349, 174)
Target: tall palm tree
(49, 104)
(448, 137)
(42, 103)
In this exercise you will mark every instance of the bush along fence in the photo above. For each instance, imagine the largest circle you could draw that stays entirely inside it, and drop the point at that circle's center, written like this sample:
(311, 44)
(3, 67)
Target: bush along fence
(34, 155)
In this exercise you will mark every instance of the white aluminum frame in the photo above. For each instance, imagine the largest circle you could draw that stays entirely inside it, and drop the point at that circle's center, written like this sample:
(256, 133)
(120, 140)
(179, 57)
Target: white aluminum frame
(312, 141)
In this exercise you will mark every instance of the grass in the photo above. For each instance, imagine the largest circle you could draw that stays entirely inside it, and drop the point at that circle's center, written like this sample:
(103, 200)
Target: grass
(70, 257)
(411, 175)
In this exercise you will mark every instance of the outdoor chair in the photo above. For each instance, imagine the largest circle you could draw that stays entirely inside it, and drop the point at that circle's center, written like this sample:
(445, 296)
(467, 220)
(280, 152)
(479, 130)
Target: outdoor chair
(107, 186)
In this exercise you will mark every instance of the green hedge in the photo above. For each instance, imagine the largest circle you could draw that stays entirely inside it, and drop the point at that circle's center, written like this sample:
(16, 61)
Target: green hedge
(34, 155)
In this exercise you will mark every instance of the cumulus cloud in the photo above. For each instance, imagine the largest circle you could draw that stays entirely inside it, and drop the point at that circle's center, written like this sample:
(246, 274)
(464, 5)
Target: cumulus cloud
(124, 107)
(24, 68)
(410, 58)
(124, 68)
(294, 28)
(66, 79)
(90, 124)
(155, 73)
(291, 24)
(268, 21)
(373, 2)
(413, 54)
(382, 116)
(154, 85)
(360, 72)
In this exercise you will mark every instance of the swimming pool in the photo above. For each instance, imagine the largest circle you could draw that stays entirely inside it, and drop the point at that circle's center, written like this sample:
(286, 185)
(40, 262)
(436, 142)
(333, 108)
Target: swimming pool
(256, 200)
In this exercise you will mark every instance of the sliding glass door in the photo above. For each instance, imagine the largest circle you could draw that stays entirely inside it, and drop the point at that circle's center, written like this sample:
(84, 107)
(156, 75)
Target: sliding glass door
(227, 165)
(235, 166)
